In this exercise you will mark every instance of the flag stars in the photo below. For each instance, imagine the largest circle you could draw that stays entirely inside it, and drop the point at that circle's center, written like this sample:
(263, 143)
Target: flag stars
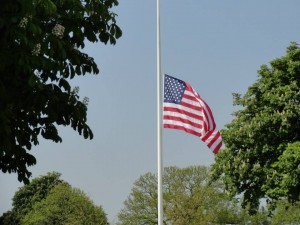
(174, 89)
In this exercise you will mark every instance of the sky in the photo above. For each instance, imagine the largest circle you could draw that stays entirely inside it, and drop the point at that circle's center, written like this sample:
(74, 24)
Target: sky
(216, 46)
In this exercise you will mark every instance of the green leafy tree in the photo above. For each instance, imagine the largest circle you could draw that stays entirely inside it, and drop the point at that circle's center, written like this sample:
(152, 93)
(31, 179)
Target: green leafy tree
(50, 200)
(65, 205)
(261, 217)
(262, 154)
(188, 199)
(9, 218)
(286, 213)
(41, 49)
(28, 195)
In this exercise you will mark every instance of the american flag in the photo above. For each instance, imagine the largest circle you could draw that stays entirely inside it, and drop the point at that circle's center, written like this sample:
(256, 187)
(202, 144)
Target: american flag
(185, 110)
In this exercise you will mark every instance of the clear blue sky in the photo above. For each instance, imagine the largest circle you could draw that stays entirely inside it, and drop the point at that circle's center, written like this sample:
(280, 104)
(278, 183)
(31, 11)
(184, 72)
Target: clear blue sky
(216, 46)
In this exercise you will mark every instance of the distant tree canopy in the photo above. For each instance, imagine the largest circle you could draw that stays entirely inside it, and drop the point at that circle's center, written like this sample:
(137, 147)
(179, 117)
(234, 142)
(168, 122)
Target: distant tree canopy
(49, 200)
(286, 213)
(188, 199)
(262, 154)
(41, 45)
(28, 195)
(65, 205)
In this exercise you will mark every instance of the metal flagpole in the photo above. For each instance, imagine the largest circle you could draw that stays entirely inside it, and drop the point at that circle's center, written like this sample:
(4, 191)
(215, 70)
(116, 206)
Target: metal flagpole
(159, 124)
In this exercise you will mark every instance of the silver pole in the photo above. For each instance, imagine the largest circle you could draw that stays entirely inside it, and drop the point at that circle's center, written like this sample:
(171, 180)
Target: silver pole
(159, 124)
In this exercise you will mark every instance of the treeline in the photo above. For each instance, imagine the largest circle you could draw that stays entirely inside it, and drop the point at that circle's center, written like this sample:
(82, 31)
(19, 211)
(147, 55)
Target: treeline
(190, 197)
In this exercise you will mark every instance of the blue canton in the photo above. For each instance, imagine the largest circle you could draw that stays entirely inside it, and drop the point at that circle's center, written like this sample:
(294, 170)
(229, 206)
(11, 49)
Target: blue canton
(173, 89)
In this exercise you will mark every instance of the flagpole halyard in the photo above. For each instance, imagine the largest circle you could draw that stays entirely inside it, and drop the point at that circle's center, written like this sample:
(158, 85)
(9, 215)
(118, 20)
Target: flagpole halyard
(159, 123)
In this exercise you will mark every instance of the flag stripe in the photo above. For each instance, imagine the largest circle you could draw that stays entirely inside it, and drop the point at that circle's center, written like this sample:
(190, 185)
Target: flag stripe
(213, 139)
(184, 111)
(186, 121)
(190, 106)
(185, 125)
(178, 127)
(217, 147)
(190, 95)
(208, 115)
(209, 120)
(183, 116)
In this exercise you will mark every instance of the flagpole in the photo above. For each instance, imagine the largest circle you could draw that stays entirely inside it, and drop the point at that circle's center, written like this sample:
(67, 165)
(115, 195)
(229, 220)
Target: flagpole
(159, 124)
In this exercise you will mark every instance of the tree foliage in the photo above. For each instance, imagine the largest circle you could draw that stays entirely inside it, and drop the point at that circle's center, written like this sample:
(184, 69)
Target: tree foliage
(41, 49)
(262, 154)
(286, 213)
(50, 200)
(24, 199)
(65, 205)
(28, 195)
(188, 199)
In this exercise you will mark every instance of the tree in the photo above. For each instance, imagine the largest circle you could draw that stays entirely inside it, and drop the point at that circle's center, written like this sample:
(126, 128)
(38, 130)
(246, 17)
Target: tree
(50, 200)
(286, 213)
(41, 46)
(188, 199)
(26, 197)
(262, 154)
(65, 205)
(261, 217)
(9, 218)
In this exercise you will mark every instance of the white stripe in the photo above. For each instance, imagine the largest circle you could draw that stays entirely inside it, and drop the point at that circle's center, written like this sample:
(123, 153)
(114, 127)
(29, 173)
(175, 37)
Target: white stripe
(189, 93)
(215, 144)
(183, 116)
(185, 125)
(209, 120)
(200, 103)
(212, 135)
(177, 106)
(191, 102)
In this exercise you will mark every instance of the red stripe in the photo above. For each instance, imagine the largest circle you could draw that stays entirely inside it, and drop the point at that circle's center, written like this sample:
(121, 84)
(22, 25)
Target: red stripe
(210, 118)
(182, 128)
(215, 151)
(217, 136)
(181, 111)
(198, 108)
(205, 122)
(208, 121)
(190, 97)
(207, 135)
(175, 118)
(188, 87)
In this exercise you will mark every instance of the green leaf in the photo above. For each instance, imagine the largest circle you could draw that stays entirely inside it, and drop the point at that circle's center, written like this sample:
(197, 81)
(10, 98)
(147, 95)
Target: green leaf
(64, 83)
(104, 37)
(118, 32)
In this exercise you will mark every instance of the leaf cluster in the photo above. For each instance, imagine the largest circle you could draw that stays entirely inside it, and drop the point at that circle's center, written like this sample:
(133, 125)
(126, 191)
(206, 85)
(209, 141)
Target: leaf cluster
(41, 46)
(286, 213)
